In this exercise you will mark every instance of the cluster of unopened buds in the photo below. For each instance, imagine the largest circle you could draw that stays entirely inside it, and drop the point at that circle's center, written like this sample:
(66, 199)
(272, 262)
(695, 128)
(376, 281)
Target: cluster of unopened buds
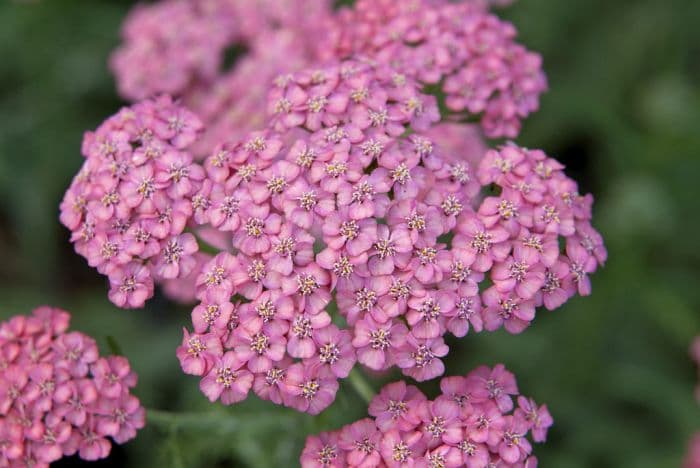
(58, 397)
(471, 423)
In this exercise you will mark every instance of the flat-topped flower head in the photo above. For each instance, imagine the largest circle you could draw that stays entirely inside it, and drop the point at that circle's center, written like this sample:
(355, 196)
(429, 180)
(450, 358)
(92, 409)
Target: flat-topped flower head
(382, 228)
(58, 397)
(128, 206)
(363, 222)
(454, 429)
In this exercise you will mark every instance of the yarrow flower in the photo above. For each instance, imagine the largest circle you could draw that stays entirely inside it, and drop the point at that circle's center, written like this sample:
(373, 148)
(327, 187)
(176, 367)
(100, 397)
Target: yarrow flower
(171, 45)
(460, 48)
(357, 223)
(341, 204)
(518, 232)
(128, 207)
(179, 47)
(464, 426)
(58, 397)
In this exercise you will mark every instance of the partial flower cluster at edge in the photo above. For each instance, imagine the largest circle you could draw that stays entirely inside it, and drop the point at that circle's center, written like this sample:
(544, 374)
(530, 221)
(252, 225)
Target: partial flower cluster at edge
(472, 423)
(58, 397)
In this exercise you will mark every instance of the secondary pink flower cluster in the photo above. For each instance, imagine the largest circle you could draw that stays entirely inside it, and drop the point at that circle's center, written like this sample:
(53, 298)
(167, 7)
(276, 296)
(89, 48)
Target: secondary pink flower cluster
(460, 48)
(472, 423)
(58, 397)
(173, 46)
(232, 105)
(342, 204)
(179, 46)
(517, 234)
(128, 206)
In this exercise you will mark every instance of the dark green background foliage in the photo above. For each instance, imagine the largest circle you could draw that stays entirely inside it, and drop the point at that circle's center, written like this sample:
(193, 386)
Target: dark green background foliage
(623, 113)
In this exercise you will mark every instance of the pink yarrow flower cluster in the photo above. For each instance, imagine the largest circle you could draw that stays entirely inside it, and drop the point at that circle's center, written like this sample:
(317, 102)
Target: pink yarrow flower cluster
(128, 207)
(517, 235)
(346, 232)
(231, 106)
(175, 46)
(473, 423)
(342, 205)
(58, 397)
(172, 45)
(459, 48)
(179, 47)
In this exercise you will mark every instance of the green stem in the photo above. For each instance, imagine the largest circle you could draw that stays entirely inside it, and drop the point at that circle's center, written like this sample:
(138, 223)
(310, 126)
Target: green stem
(174, 447)
(361, 386)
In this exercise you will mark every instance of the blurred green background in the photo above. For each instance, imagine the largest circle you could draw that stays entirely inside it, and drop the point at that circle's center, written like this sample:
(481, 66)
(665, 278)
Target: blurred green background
(623, 113)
